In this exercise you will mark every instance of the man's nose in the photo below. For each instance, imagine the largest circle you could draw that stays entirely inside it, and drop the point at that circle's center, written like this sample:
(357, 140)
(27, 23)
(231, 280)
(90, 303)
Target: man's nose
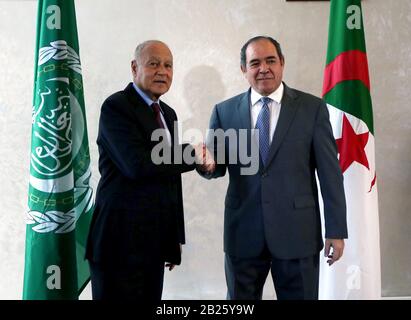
(162, 69)
(264, 67)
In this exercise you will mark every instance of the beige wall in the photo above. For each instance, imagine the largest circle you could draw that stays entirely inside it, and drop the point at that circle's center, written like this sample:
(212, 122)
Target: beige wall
(205, 37)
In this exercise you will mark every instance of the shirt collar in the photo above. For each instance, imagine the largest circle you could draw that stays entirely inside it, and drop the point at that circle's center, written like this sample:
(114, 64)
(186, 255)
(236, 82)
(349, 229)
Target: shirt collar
(277, 95)
(145, 97)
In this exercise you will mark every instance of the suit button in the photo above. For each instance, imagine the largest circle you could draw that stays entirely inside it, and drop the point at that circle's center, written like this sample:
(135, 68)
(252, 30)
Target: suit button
(264, 175)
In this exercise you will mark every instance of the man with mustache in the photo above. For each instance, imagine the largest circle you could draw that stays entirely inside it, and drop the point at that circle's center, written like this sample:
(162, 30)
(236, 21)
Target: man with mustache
(272, 218)
(138, 224)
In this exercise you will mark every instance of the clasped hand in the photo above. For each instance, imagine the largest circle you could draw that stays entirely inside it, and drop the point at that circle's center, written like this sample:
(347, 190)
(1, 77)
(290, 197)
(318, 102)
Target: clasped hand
(204, 159)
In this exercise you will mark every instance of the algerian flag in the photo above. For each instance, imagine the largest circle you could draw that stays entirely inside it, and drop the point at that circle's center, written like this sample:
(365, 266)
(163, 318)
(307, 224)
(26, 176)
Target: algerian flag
(60, 198)
(346, 89)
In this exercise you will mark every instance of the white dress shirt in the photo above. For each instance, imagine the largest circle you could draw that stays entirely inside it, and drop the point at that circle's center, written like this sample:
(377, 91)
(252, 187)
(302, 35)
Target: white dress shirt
(274, 106)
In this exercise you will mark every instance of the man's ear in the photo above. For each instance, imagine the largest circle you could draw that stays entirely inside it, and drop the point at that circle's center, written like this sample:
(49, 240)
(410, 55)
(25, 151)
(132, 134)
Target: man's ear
(243, 69)
(134, 67)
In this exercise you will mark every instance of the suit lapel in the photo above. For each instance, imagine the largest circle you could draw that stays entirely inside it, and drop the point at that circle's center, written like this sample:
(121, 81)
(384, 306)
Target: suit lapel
(243, 110)
(144, 113)
(170, 119)
(287, 113)
(244, 113)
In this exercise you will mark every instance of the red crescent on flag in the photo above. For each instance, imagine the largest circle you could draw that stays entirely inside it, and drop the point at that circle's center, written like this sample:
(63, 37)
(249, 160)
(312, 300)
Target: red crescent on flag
(349, 65)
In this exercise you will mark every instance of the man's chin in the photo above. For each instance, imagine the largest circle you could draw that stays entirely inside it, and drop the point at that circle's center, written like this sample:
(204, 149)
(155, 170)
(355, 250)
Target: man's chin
(267, 90)
(160, 89)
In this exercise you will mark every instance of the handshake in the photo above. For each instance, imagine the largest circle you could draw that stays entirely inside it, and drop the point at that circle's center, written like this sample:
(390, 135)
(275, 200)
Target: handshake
(204, 159)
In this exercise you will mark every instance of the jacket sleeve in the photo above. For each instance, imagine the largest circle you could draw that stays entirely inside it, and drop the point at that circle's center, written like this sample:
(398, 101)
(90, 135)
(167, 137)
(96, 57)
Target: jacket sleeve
(330, 176)
(215, 146)
(129, 148)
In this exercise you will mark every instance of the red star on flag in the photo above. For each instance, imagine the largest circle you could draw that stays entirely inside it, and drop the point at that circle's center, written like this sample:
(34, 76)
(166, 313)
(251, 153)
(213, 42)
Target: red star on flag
(351, 146)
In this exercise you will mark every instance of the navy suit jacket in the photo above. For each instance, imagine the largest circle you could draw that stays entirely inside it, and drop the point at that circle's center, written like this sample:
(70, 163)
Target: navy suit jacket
(279, 205)
(139, 207)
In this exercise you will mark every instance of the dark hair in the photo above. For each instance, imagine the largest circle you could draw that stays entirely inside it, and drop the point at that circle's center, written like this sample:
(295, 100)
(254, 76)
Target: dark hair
(243, 57)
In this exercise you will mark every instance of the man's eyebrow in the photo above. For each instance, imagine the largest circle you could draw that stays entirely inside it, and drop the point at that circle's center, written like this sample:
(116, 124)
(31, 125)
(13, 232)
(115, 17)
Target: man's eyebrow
(257, 60)
(254, 60)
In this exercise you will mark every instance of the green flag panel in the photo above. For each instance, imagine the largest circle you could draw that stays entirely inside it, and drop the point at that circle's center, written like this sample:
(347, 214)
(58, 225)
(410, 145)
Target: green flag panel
(60, 198)
(346, 29)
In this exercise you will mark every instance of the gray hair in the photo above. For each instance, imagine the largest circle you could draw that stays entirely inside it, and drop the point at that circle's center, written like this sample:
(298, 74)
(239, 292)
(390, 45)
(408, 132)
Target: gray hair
(140, 47)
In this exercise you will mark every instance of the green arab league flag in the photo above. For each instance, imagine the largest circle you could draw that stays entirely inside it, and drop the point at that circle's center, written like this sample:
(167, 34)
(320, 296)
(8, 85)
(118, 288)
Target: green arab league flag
(346, 89)
(59, 199)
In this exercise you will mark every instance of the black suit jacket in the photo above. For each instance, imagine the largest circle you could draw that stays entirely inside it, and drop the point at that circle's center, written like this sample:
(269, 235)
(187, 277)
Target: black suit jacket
(279, 206)
(139, 208)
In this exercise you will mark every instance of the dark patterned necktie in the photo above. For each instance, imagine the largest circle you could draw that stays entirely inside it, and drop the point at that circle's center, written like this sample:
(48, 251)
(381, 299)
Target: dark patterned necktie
(156, 108)
(263, 125)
